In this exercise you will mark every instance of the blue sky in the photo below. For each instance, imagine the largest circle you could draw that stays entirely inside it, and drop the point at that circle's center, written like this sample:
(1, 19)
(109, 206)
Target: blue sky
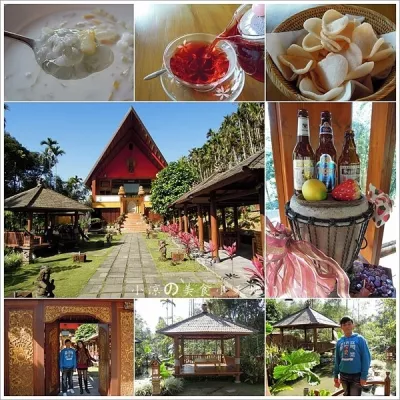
(83, 129)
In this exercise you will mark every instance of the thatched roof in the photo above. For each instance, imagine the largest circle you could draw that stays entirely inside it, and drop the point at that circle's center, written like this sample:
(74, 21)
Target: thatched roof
(241, 172)
(306, 319)
(206, 326)
(40, 199)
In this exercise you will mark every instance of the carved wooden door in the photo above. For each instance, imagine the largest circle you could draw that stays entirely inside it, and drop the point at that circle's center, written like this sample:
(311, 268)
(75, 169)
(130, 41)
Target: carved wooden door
(104, 359)
(52, 350)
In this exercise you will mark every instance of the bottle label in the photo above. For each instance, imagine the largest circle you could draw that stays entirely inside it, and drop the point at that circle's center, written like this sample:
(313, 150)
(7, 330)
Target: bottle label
(351, 171)
(302, 126)
(303, 170)
(326, 171)
(325, 128)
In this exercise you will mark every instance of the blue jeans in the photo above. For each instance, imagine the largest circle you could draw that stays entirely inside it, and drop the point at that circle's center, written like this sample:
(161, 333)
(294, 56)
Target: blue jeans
(67, 378)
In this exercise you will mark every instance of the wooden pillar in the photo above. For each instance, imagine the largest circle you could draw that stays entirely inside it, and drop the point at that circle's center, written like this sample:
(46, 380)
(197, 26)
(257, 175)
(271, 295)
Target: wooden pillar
(201, 227)
(281, 329)
(223, 216)
(333, 333)
(214, 225)
(222, 347)
(94, 190)
(183, 349)
(236, 225)
(237, 358)
(30, 219)
(261, 200)
(185, 218)
(315, 334)
(180, 221)
(382, 144)
(387, 384)
(305, 335)
(173, 217)
(46, 220)
(76, 219)
(176, 351)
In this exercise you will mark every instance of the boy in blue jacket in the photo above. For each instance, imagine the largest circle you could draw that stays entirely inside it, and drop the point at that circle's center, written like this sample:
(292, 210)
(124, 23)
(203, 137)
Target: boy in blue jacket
(67, 367)
(352, 360)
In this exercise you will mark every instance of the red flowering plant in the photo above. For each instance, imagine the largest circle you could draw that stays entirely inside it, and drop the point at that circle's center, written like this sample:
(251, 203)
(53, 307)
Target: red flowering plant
(165, 228)
(231, 252)
(174, 230)
(296, 268)
(257, 276)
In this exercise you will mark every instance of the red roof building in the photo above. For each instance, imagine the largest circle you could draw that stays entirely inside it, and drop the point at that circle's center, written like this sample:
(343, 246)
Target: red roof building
(120, 180)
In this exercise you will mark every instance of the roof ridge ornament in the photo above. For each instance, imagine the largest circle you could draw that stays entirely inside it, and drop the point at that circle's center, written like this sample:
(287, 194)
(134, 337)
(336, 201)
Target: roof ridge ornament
(204, 308)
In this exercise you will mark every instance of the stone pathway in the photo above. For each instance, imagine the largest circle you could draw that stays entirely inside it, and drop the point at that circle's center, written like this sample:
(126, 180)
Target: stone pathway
(130, 272)
(240, 261)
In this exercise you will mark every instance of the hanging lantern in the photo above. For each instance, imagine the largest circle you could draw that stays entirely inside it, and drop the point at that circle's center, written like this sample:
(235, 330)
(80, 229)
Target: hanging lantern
(141, 191)
(121, 191)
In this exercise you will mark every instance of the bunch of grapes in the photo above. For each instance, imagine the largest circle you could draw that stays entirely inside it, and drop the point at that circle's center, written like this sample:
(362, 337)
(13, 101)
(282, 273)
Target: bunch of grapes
(374, 279)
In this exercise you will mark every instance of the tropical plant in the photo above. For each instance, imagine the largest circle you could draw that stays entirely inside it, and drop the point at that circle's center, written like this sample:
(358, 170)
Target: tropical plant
(253, 369)
(297, 364)
(50, 157)
(12, 260)
(164, 372)
(257, 277)
(143, 388)
(172, 386)
(231, 252)
(321, 392)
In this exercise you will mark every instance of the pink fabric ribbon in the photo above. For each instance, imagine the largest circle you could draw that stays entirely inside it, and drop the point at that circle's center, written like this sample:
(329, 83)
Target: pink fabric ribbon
(296, 268)
(383, 205)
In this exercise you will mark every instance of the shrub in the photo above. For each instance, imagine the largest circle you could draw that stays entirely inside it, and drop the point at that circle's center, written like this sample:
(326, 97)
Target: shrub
(143, 388)
(253, 369)
(172, 386)
(12, 260)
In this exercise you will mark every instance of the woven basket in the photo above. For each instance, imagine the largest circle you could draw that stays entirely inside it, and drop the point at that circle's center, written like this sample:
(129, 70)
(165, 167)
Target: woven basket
(379, 23)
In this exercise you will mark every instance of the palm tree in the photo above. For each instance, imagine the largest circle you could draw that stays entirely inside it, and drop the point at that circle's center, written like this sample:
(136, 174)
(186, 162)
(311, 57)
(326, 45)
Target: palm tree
(166, 303)
(6, 108)
(50, 155)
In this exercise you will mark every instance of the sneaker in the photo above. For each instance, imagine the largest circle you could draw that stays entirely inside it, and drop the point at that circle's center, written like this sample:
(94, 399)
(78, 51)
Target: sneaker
(72, 391)
(65, 394)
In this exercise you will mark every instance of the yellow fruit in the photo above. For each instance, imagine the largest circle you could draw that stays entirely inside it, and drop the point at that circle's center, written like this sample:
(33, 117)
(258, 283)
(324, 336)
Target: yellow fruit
(88, 41)
(314, 190)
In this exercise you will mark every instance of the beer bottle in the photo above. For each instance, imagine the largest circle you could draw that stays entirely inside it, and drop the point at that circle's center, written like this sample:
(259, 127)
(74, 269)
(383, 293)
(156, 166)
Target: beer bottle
(325, 156)
(303, 154)
(349, 161)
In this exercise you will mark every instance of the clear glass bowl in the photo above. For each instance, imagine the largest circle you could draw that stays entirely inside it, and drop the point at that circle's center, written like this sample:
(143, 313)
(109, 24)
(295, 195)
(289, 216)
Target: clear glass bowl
(223, 45)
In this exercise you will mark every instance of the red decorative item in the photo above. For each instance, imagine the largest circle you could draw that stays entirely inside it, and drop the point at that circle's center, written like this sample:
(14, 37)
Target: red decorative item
(296, 268)
(347, 191)
(199, 63)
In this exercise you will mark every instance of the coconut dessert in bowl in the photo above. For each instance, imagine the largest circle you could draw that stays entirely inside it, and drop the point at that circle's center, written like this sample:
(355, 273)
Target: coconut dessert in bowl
(333, 53)
(81, 53)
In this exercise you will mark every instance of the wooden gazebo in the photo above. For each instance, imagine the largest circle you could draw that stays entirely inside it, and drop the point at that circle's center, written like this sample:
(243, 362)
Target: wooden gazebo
(206, 326)
(39, 200)
(305, 320)
(239, 186)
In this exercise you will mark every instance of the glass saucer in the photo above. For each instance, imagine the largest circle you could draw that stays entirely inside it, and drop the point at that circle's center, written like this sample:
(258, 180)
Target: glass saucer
(229, 90)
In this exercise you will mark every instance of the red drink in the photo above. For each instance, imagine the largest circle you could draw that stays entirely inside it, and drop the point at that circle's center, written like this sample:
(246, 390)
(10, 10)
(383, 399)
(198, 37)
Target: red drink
(250, 49)
(194, 62)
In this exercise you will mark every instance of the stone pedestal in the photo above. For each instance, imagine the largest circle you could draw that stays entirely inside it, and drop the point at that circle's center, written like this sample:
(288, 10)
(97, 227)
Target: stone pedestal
(27, 255)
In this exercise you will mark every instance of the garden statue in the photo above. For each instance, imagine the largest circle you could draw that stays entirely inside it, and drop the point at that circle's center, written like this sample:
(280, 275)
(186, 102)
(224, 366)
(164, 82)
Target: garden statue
(44, 286)
(148, 231)
(163, 250)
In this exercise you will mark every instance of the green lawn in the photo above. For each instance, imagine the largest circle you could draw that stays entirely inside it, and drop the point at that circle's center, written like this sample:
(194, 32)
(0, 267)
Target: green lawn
(69, 277)
(166, 266)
